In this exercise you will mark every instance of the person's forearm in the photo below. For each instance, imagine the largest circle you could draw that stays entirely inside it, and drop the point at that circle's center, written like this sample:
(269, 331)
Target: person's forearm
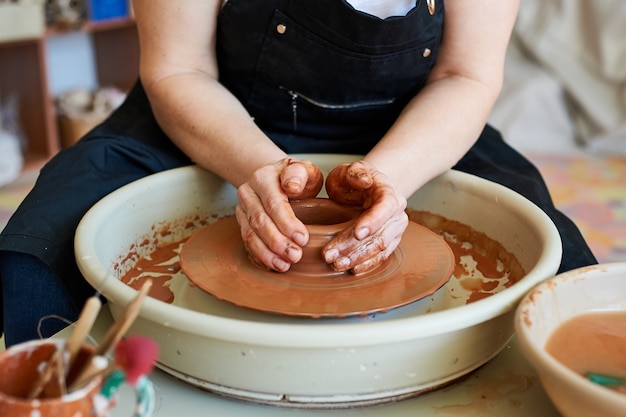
(179, 71)
(443, 121)
(434, 131)
(211, 126)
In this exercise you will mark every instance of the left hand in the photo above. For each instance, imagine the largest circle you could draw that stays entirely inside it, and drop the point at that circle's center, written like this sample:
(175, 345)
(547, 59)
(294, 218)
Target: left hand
(378, 231)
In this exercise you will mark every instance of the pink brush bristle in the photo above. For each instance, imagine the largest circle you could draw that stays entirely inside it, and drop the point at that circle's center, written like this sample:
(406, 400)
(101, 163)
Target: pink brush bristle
(136, 355)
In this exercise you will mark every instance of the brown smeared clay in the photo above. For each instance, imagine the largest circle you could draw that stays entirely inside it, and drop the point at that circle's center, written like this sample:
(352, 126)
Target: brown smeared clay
(157, 256)
(495, 266)
(162, 264)
(323, 219)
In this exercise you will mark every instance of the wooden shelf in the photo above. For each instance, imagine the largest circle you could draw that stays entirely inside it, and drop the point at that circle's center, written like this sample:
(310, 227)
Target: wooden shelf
(24, 71)
(93, 26)
(116, 65)
(110, 24)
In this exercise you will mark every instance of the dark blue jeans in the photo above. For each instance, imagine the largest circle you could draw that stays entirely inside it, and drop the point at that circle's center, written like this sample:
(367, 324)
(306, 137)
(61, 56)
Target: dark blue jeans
(35, 302)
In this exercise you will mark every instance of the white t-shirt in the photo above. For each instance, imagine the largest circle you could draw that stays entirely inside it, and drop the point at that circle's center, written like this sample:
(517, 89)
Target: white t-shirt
(381, 8)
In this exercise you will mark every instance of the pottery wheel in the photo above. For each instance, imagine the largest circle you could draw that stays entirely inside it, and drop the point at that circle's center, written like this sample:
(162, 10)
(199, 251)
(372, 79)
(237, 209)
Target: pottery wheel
(214, 259)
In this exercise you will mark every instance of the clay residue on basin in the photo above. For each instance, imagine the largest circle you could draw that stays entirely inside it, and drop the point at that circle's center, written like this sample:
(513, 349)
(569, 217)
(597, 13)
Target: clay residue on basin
(482, 266)
(160, 266)
(156, 256)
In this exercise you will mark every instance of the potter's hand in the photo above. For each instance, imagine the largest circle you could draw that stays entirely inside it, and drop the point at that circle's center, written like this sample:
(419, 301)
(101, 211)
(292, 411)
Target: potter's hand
(272, 234)
(377, 232)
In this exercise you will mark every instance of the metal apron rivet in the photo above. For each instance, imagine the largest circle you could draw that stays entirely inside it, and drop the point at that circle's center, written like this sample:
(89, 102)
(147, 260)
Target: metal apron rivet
(280, 28)
(426, 52)
(431, 6)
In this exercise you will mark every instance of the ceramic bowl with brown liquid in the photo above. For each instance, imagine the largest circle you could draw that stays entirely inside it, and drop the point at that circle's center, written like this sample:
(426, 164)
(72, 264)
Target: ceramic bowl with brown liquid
(575, 324)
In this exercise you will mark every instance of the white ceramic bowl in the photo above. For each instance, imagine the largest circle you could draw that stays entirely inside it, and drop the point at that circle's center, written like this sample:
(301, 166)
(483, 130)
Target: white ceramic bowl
(315, 363)
(593, 288)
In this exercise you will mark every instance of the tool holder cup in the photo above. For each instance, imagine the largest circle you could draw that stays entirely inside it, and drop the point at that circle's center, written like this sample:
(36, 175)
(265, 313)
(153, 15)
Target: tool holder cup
(21, 366)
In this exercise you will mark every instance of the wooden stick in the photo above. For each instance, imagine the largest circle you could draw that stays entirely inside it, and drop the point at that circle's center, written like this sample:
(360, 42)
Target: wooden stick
(58, 388)
(54, 364)
(97, 365)
(115, 333)
(82, 328)
(123, 323)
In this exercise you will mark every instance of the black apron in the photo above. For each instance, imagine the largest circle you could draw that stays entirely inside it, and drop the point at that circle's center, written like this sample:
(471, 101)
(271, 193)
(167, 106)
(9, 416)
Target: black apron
(316, 75)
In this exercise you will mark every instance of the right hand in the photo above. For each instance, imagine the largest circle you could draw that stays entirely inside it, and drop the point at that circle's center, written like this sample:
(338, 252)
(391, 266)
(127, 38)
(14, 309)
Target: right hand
(377, 232)
(272, 234)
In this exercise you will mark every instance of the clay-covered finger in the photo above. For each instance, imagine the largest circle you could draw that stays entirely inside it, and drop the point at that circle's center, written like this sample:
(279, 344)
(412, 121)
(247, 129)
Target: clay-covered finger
(365, 251)
(301, 179)
(347, 183)
(370, 263)
(347, 253)
(383, 205)
(360, 175)
(265, 246)
(277, 242)
(262, 197)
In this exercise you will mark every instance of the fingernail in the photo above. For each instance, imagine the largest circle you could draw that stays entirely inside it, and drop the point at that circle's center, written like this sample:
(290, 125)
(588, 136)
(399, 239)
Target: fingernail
(280, 265)
(293, 253)
(299, 238)
(293, 182)
(331, 255)
(342, 263)
(362, 233)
